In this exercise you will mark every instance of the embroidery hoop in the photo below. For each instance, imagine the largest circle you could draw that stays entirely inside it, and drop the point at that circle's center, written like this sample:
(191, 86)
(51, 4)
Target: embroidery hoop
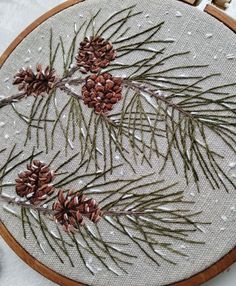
(197, 279)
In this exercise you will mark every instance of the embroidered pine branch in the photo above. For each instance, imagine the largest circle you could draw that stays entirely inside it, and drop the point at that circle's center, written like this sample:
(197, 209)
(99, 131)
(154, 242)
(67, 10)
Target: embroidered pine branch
(167, 116)
(186, 131)
(181, 111)
(184, 127)
(24, 204)
(148, 78)
(134, 207)
(177, 113)
(11, 99)
(70, 210)
(45, 81)
(41, 87)
(148, 219)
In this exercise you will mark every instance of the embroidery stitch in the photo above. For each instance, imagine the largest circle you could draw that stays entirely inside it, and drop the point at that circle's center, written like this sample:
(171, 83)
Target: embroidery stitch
(135, 116)
(175, 110)
(132, 213)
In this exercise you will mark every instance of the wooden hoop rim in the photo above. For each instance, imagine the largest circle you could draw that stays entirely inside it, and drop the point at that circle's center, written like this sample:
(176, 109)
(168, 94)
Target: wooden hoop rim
(198, 279)
(221, 16)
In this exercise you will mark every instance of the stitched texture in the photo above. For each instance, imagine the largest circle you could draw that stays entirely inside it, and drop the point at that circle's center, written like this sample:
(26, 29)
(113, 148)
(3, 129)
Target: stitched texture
(209, 42)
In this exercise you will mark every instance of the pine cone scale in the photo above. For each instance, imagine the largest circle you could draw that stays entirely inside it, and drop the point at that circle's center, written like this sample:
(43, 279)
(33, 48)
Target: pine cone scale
(94, 53)
(43, 81)
(71, 209)
(102, 92)
(35, 182)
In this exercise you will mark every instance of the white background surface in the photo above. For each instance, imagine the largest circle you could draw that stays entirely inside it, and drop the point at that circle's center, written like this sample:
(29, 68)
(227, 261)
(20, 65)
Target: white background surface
(15, 15)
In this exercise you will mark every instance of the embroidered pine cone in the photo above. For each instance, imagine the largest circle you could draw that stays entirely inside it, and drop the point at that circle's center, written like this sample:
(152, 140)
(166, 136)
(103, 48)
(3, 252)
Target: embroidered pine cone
(43, 81)
(35, 183)
(102, 92)
(71, 209)
(94, 54)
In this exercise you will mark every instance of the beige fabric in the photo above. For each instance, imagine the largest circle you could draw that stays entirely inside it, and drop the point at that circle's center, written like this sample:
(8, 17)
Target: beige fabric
(190, 29)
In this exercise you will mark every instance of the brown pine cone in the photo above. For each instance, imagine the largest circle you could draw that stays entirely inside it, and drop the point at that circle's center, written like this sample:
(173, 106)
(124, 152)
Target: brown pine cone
(94, 54)
(71, 209)
(101, 92)
(37, 83)
(35, 182)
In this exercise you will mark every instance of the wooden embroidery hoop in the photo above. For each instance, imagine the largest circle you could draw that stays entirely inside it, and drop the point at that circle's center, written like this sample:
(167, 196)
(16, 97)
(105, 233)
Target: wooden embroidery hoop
(197, 279)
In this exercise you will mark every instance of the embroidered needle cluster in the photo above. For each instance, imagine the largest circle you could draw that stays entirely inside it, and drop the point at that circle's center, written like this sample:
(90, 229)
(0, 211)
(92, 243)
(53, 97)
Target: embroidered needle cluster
(179, 111)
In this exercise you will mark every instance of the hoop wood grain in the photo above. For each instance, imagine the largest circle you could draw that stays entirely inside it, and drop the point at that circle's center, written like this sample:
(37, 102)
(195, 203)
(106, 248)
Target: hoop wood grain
(221, 16)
